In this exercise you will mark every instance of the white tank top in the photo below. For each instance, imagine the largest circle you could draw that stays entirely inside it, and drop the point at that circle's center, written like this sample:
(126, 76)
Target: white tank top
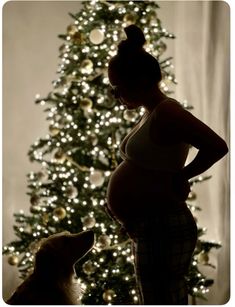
(138, 148)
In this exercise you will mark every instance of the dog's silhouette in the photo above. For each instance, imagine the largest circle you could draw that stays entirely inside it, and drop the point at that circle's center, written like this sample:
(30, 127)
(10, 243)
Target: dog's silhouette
(52, 281)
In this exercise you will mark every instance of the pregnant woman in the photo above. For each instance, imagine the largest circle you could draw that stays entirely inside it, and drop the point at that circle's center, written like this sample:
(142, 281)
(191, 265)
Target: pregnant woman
(147, 191)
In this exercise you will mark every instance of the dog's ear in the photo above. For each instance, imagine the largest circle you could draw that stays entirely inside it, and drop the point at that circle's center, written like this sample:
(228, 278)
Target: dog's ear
(44, 260)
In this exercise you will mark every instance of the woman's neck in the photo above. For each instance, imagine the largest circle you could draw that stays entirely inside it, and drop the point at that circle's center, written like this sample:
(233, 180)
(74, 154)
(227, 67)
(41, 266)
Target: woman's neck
(153, 100)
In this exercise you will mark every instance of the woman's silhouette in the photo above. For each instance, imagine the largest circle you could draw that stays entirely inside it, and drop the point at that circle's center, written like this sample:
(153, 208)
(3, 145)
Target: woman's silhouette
(147, 191)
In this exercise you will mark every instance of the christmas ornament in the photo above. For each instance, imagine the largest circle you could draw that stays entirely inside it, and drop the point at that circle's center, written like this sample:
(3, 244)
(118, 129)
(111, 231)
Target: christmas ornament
(104, 241)
(108, 295)
(203, 257)
(59, 156)
(72, 29)
(35, 200)
(130, 18)
(88, 267)
(130, 115)
(88, 221)
(75, 91)
(42, 175)
(53, 130)
(86, 104)
(13, 260)
(74, 33)
(60, 213)
(96, 36)
(45, 219)
(96, 178)
(192, 195)
(86, 66)
(77, 38)
(28, 229)
(71, 192)
(93, 139)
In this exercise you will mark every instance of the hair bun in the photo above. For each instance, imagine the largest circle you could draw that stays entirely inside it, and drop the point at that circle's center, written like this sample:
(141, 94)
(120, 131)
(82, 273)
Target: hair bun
(135, 35)
(135, 40)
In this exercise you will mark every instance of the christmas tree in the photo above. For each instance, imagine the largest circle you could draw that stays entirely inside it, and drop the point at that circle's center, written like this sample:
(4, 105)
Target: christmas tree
(76, 158)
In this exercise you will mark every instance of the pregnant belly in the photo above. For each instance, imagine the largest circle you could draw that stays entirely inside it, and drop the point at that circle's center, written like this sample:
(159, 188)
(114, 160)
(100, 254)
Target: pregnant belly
(133, 191)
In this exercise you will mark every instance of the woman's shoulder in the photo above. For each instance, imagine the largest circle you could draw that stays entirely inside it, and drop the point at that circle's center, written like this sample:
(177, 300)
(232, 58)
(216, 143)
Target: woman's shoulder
(170, 102)
(168, 107)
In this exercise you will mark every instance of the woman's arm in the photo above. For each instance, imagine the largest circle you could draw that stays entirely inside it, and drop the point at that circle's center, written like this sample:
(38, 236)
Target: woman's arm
(187, 128)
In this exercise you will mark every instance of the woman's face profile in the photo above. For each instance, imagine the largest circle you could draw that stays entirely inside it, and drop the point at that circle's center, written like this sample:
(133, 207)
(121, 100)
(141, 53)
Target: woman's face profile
(126, 96)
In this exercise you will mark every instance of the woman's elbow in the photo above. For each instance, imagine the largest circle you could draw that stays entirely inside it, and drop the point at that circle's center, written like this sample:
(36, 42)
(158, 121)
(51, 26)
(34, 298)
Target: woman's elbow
(221, 149)
(224, 148)
(214, 151)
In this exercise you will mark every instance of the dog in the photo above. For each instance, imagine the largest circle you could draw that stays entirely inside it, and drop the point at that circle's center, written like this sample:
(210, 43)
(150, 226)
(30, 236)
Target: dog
(52, 280)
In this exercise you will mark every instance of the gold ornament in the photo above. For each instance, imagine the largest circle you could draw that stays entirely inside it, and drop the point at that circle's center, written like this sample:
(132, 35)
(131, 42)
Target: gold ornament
(203, 257)
(77, 38)
(93, 139)
(108, 295)
(75, 91)
(86, 104)
(13, 260)
(104, 241)
(60, 213)
(28, 229)
(71, 192)
(86, 66)
(192, 195)
(130, 115)
(45, 218)
(53, 130)
(60, 156)
(42, 175)
(35, 200)
(88, 267)
(130, 18)
(96, 36)
(72, 29)
(96, 178)
(88, 222)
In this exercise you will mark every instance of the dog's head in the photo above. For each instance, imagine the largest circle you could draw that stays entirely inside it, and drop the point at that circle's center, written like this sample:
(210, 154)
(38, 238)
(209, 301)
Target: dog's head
(59, 252)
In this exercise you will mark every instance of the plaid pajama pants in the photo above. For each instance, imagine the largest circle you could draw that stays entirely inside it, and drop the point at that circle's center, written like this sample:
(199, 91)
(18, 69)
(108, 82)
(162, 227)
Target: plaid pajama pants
(163, 245)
